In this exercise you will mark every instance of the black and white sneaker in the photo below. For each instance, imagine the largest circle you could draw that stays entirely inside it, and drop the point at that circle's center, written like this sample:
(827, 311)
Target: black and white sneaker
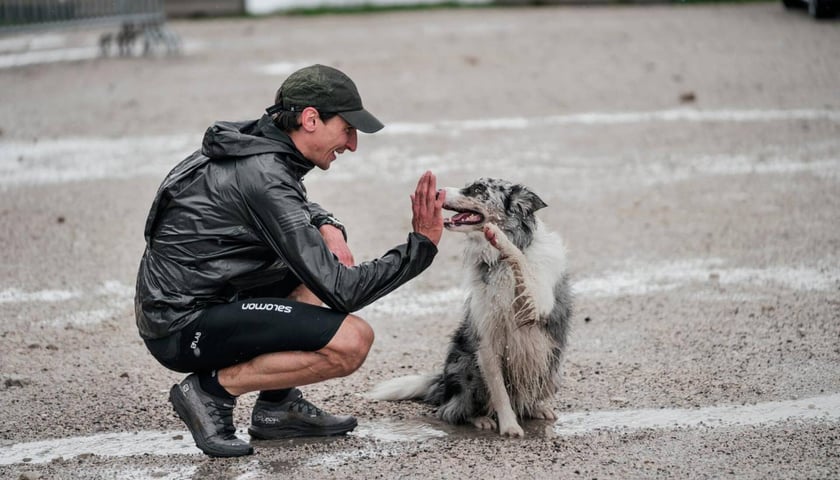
(295, 417)
(209, 419)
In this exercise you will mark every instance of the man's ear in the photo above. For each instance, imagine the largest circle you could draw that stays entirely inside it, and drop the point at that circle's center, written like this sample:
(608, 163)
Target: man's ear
(309, 119)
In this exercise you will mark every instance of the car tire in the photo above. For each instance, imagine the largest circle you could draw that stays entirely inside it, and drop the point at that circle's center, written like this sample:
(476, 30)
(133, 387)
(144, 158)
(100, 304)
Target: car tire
(823, 8)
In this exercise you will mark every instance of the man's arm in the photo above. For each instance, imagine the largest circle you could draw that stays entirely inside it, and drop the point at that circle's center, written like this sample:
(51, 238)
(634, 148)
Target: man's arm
(333, 231)
(278, 211)
(334, 238)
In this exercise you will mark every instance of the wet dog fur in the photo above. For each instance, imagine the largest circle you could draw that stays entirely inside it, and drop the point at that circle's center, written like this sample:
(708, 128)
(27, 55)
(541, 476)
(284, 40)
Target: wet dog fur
(504, 360)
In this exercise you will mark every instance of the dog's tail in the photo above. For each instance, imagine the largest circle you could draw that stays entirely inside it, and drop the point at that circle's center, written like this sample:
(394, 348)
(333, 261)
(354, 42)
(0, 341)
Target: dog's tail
(405, 388)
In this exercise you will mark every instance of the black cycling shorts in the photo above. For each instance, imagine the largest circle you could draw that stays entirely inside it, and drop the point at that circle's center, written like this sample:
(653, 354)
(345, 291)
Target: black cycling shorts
(229, 334)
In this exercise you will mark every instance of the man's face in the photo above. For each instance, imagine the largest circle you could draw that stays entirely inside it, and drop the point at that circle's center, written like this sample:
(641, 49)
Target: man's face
(331, 139)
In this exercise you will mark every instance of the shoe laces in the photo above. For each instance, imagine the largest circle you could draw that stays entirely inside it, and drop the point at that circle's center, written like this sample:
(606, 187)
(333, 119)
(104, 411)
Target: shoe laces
(303, 406)
(223, 418)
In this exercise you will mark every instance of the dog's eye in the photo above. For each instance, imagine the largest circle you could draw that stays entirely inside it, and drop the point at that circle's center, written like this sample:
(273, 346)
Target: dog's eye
(477, 188)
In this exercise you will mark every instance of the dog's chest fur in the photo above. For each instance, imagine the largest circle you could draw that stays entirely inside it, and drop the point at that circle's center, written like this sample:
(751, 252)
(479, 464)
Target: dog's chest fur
(525, 351)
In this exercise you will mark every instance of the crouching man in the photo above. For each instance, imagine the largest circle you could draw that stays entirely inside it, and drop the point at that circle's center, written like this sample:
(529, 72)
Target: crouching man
(238, 263)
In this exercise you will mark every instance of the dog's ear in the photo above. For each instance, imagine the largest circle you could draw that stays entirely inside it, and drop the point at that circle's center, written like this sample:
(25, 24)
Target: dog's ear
(523, 201)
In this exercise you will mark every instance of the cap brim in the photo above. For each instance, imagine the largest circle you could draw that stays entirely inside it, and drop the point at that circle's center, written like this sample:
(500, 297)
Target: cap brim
(362, 120)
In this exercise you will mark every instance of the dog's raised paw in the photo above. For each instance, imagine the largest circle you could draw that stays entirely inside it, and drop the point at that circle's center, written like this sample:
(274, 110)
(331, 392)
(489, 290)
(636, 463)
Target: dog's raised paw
(497, 238)
(484, 423)
(492, 234)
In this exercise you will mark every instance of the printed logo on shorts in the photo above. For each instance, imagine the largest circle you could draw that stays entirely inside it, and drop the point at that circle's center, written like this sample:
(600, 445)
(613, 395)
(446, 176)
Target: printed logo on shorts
(268, 307)
(194, 344)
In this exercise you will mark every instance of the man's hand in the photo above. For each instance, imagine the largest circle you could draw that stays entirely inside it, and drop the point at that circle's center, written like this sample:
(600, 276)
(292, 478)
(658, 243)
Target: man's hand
(335, 242)
(426, 204)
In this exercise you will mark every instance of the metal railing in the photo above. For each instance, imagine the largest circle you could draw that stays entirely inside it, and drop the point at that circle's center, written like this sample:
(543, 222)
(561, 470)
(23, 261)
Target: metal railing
(137, 20)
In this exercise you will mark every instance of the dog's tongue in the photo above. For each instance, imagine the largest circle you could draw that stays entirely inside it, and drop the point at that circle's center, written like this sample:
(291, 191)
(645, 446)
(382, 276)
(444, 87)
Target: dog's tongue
(466, 217)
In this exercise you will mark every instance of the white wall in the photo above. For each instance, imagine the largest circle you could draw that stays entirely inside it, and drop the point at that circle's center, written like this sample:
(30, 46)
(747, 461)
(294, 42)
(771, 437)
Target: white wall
(259, 7)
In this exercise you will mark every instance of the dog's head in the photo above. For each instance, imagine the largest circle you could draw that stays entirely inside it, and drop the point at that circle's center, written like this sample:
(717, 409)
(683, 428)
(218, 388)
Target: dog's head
(490, 200)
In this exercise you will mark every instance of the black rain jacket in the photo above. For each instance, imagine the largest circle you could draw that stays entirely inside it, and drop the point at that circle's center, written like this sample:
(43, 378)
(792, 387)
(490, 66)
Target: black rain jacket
(234, 216)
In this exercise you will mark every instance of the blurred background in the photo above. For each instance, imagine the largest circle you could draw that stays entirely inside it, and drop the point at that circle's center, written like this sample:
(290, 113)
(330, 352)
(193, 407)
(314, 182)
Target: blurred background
(689, 153)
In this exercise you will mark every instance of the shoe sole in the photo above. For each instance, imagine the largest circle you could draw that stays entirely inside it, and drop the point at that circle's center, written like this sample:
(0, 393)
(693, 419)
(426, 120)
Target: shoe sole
(299, 430)
(181, 408)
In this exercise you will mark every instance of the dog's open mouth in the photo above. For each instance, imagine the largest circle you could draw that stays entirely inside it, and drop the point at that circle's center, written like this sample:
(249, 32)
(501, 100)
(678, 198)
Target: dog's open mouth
(463, 217)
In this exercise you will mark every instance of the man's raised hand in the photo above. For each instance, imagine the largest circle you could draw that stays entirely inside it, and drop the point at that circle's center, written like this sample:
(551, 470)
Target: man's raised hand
(426, 208)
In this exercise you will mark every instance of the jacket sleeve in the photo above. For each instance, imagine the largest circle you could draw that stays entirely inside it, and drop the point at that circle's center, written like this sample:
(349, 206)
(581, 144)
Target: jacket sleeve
(279, 211)
(317, 210)
(320, 217)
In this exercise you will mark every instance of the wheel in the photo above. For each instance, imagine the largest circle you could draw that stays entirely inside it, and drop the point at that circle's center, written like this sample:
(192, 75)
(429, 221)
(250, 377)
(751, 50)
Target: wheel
(793, 4)
(823, 8)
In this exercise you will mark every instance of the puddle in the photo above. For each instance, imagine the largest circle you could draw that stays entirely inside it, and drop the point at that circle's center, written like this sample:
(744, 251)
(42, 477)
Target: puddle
(390, 430)
(123, 444)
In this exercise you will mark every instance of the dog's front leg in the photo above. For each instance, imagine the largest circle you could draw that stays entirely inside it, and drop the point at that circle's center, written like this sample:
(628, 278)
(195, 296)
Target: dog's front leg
(524, 306)
(491, 368)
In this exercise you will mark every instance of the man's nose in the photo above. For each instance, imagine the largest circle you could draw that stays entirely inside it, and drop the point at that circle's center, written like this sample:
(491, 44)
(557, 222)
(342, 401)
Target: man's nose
(352, 141)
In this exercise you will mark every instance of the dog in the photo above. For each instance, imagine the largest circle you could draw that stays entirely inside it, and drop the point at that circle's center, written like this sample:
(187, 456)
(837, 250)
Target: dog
(504, 360)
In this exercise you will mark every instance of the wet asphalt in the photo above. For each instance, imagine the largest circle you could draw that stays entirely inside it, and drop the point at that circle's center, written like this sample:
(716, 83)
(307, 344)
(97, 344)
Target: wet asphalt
(690, 157)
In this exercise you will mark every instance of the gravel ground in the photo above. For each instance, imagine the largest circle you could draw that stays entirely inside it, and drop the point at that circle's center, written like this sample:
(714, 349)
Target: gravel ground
(690, 156)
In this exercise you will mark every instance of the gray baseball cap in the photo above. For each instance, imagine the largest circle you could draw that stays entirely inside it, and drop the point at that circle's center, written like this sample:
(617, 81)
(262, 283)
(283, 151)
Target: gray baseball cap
(328, 90)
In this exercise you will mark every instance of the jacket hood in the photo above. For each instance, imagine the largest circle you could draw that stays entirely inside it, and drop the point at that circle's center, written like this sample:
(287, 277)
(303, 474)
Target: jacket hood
(225, 140)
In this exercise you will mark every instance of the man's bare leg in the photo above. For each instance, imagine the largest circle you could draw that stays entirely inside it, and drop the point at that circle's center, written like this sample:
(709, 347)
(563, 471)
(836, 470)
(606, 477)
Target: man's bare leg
(343, 355)
(303, 294)
(278, 372)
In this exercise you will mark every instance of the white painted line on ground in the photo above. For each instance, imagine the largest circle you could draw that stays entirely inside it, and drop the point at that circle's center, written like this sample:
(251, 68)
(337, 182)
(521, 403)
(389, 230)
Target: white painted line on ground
(633, 280)
(75, 159)
(281, 68)
(20, 43)
(47, 161)
(120, 444)
(645, 279)
(824, 408)
(44, 51)
(611, 118)
(820, 409)
(34, 57)
(112, 297)
(111, 288)
(16, 295)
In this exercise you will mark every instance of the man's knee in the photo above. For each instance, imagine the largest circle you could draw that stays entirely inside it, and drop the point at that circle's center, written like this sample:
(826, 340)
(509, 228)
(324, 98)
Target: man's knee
(349, 347)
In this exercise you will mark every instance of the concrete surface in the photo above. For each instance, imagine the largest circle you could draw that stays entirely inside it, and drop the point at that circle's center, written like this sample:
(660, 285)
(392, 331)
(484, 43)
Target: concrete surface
(690, 157)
